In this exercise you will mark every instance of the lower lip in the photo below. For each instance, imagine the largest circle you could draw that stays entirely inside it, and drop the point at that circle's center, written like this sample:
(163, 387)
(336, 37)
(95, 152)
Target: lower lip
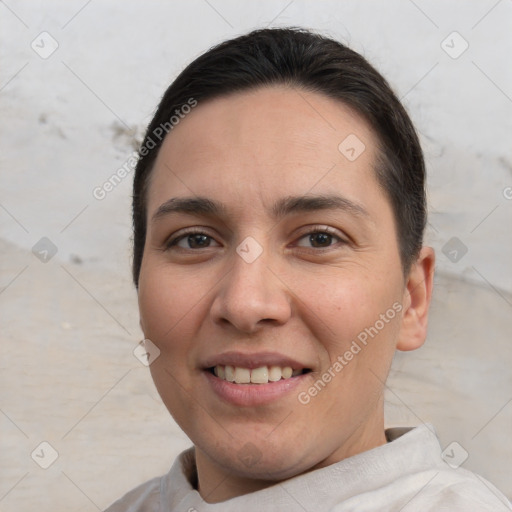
(248, 395)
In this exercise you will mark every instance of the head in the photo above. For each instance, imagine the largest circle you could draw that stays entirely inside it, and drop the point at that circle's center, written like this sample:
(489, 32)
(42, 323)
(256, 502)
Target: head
(279, 210)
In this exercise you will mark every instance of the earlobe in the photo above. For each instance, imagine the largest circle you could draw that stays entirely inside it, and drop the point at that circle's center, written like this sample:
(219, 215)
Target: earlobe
(416, 301)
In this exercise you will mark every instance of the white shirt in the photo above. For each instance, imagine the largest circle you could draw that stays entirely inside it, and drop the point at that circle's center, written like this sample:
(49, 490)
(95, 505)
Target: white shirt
(407, 474)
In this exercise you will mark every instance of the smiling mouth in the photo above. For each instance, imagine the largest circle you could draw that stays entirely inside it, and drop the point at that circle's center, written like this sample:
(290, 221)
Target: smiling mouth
(261, 375)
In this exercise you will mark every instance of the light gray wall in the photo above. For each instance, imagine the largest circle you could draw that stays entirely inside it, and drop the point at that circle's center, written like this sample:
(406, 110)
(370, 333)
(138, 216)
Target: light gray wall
(69, 325)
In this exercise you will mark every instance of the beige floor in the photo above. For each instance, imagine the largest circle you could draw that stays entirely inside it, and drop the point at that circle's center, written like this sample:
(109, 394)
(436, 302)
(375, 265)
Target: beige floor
(68, 377)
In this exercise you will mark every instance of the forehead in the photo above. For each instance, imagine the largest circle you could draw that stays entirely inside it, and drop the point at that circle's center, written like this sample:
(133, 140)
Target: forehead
(256, 146)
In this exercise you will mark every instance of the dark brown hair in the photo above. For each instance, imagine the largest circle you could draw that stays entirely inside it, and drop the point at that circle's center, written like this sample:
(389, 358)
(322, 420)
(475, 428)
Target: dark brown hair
(300, 58)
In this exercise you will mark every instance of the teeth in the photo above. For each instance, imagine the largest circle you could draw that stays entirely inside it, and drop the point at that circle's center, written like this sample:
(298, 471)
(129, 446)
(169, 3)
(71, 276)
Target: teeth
(262, 375)
(274, 373)
(220, 372)
(242, 375)
(259, 375)
(229, 374)
(287, 372)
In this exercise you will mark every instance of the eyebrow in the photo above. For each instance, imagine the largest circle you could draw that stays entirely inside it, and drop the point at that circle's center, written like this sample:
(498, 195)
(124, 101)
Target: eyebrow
(286, 206)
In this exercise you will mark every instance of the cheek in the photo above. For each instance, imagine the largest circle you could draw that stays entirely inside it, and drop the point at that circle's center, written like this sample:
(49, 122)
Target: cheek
(347, 306)
(169, 311)
(167, 303)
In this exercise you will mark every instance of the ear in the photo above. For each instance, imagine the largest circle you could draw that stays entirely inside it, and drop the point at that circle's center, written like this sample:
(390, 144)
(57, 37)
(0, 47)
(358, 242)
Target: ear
(416, 301)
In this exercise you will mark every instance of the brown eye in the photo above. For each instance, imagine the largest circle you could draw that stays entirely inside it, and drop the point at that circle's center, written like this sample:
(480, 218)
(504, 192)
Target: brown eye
(191, 241)
(319, 239)
(197, 241)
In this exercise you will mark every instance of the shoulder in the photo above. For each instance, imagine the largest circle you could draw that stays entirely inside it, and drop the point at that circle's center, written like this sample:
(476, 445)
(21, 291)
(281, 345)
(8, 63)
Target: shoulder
(410, 474)
(430, 491)
(440, 485)
(459, 489)
(143, 498)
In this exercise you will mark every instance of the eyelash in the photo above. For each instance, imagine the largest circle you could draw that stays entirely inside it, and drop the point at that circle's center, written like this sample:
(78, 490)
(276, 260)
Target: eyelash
(317, 229)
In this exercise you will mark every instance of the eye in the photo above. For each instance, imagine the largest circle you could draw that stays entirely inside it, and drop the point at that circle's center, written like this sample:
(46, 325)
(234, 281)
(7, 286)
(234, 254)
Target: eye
(191, 240)
(320, 238)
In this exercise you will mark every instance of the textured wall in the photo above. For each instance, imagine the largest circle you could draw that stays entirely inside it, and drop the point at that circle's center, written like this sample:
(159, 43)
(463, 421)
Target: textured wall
(69, 116)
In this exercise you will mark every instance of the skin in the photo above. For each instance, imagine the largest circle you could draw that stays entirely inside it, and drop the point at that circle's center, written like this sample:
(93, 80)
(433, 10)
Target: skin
(301, 297)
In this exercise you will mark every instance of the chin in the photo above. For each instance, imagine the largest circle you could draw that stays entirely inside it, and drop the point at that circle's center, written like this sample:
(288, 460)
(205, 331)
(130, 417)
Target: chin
(259, 461)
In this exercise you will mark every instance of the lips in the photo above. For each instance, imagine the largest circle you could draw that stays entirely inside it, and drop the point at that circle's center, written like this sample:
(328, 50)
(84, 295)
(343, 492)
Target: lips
(246, 379)
(252, 361)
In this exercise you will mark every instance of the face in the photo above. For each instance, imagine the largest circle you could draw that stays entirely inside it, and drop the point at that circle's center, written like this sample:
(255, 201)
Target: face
(271, 250)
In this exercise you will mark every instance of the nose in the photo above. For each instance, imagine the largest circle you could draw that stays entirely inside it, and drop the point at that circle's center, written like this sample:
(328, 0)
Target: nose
(250, 296)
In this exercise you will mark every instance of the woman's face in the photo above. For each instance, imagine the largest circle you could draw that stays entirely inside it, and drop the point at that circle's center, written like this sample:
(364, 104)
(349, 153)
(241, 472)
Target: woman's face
(270, 245)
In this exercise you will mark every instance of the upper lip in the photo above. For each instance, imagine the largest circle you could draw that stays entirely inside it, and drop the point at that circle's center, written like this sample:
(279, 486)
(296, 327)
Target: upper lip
(252, 360)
